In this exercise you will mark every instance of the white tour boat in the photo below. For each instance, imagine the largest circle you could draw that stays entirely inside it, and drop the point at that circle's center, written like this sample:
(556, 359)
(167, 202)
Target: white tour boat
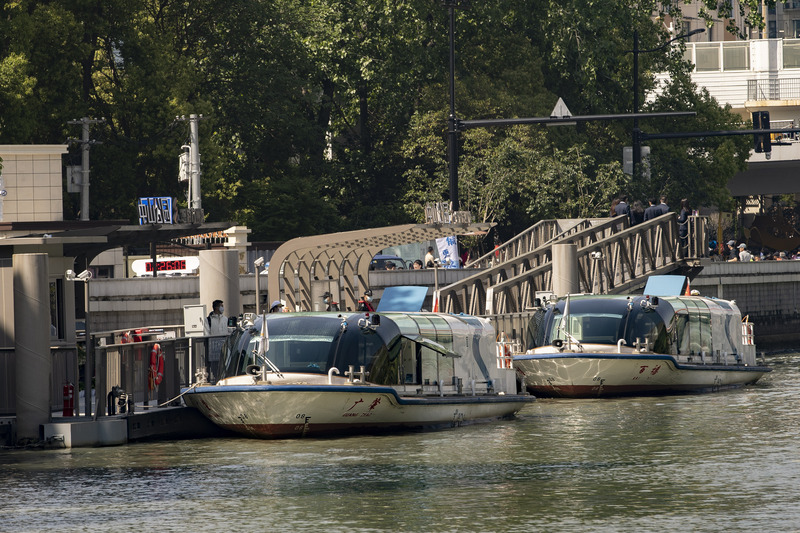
(587, 346)
(308, 374)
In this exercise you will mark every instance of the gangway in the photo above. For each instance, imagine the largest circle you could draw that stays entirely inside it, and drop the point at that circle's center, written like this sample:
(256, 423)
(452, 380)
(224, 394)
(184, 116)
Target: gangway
(612, 258)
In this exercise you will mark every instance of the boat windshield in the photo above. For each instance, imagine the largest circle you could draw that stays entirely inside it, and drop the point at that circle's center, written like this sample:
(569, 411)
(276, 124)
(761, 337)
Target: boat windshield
(294, 345)
(594, 328)
(606, 321)
(302, 343)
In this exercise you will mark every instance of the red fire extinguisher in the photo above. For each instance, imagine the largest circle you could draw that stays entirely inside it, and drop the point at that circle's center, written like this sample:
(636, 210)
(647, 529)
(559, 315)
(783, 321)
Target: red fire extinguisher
(69, 399)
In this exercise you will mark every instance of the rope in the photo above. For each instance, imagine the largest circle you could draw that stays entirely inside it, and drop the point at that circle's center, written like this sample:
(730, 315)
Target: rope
(179, 395)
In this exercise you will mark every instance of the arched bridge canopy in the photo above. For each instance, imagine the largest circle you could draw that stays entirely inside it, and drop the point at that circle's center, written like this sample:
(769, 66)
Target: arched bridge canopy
(343, 259)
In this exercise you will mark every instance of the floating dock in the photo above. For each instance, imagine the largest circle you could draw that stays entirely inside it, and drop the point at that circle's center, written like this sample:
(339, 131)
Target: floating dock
(164, 423)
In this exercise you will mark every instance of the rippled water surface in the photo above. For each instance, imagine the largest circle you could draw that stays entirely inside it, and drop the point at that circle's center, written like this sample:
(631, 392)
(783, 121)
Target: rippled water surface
(716, 462)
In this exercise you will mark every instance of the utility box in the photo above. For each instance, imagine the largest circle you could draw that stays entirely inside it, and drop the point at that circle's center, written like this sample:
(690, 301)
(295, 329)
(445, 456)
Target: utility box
(193, 319)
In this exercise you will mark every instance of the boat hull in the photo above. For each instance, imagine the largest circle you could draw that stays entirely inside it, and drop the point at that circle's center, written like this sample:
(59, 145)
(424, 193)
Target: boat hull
(593, 375)
(284, 411)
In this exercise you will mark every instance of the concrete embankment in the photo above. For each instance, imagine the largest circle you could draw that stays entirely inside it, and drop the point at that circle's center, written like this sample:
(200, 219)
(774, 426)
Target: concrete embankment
(144, 425)
(767, 291)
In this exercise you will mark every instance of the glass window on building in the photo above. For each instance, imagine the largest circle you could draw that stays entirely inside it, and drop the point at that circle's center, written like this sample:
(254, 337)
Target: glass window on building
(736, 56)
(707, 57)
(57, 319)
(791, 53)
(796, 28)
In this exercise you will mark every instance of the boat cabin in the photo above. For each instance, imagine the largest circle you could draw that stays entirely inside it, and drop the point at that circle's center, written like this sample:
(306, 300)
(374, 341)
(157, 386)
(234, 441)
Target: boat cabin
(690, 326)
(411, 350)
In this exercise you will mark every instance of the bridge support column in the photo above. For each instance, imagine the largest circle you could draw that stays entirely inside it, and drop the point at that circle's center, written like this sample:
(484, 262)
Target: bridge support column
(219, 280)
(32, 345)
(565, 269)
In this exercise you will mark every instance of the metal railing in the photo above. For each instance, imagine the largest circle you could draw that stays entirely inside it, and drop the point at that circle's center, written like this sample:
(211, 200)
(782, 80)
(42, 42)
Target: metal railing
(774, 89)
(612, 258)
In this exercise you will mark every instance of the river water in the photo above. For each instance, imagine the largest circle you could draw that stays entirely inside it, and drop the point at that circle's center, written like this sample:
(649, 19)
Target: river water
(727, 461)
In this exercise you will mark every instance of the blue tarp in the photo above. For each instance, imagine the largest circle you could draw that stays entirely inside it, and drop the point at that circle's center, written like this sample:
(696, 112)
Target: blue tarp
(403, 298)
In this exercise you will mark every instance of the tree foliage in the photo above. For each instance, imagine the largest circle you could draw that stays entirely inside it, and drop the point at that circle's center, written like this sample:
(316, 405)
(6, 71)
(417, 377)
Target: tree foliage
(328, 115)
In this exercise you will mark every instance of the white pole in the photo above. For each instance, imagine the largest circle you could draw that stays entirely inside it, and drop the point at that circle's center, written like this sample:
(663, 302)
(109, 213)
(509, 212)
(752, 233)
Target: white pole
(194, 165)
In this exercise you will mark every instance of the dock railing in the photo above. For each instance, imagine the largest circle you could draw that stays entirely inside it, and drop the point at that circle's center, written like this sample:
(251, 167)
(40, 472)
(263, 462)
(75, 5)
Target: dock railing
(127, 371)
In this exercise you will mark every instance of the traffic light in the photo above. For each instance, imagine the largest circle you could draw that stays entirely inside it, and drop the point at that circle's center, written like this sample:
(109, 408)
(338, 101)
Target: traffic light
(761, 141)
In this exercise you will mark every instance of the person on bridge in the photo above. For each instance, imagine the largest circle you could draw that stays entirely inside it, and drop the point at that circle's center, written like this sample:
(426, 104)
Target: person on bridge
(683, 224)
(663, 205)
(744, 255)
(429, 258)
(637, 213)
(653, 210)
(622, 208)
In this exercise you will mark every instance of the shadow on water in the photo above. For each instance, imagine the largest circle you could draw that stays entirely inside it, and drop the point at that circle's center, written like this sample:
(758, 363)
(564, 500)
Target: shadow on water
(724, 461)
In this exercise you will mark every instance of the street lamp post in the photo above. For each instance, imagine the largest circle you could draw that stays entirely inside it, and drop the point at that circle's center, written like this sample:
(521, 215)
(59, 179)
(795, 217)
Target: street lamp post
(637, 142)
(258, 263)
(452, 121)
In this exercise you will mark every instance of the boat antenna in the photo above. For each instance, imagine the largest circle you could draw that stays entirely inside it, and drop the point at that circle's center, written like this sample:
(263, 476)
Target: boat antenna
(566, 329)
(565, 323)
(263, 347)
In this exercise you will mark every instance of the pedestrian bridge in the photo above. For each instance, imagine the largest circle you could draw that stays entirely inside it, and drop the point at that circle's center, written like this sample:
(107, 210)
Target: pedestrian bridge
(612, 257)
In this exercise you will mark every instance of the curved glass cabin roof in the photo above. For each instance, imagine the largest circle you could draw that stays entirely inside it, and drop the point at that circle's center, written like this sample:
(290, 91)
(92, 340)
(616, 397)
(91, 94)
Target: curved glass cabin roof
(402, 348)
(677, 325)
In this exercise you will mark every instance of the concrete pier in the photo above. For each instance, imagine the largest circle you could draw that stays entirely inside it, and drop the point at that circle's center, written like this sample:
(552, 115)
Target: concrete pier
(31, 342)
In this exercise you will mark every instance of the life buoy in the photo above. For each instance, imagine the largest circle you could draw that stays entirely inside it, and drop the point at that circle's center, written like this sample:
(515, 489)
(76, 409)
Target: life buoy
(507, 355)
(156, 374)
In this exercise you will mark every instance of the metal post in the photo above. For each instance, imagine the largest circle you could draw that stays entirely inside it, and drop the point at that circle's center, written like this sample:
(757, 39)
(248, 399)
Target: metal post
(258, 263)
(637, 146)
(85, 170)
(85, 122)
(194, 165)
(452, 133)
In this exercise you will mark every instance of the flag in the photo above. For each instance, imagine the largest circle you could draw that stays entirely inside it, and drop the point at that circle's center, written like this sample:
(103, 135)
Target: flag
(448, 251)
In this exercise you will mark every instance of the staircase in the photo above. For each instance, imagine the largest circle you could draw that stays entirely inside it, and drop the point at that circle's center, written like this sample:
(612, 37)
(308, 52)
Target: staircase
(612, 258)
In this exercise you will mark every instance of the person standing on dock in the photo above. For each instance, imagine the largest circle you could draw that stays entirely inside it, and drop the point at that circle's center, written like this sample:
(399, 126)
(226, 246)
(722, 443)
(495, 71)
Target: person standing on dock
(216, 323)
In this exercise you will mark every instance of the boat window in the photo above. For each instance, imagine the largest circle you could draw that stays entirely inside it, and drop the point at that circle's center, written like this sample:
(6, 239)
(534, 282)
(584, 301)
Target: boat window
(699, 330)
(594, 328)
(296, 344)
(411, 363)
(534, 336)
(647, 327)
(359, 347)
(230, 355)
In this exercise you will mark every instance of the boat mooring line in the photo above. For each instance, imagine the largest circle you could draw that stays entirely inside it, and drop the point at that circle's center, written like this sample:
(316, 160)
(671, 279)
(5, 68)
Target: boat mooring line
(192, 386)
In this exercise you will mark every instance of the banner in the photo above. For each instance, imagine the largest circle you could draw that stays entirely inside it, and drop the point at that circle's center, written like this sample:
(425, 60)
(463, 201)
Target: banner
(448, 252)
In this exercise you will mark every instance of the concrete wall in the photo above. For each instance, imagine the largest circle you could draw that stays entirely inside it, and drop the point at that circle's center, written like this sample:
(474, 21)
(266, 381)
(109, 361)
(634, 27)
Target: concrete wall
(128, 303)
(767, 291)
(32, 178)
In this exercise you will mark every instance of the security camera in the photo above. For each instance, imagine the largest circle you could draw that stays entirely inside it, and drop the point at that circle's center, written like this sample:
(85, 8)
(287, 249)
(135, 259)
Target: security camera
(85, 275)
(69, 274)
(258, 262)
(596, 255)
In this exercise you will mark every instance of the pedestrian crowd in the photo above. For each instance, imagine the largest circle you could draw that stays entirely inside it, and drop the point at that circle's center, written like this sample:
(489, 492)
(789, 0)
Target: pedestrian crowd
(728, 251)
